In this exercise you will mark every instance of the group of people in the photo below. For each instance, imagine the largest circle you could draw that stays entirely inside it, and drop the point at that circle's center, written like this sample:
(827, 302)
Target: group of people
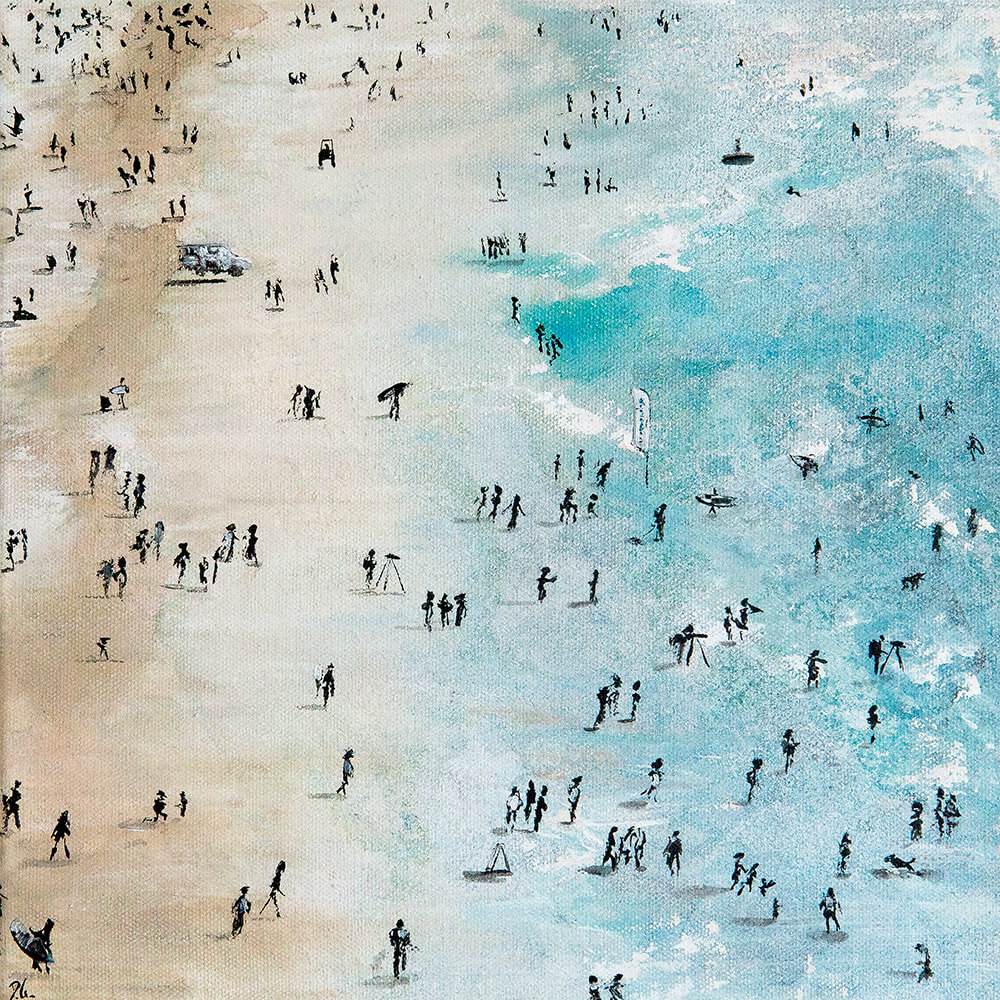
(304, 403)
(445, 607)
(16, 540)
(607, 701)
(534, 805)
(160, 807)
(625, 848)
(946, 816)
(223, 553)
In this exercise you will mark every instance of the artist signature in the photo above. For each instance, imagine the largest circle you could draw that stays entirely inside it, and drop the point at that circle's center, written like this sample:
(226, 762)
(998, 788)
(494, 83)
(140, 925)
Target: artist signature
(17, 990)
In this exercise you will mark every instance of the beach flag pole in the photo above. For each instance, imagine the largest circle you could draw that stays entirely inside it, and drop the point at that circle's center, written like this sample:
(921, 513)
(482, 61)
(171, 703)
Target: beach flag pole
(640, 425)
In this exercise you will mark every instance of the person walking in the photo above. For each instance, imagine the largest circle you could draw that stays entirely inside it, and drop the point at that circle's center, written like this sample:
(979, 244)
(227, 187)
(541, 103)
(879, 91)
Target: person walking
(241, 907)
(275, 889)
(347, 772)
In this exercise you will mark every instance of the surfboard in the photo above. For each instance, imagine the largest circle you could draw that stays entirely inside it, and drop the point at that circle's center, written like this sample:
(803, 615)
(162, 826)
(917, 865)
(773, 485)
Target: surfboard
(29, 943)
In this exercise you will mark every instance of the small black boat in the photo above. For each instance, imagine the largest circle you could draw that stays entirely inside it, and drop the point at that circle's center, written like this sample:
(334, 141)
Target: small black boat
(737, 158)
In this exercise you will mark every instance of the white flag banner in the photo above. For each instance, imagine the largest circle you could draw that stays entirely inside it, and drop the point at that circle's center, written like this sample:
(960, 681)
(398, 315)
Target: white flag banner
(640, 420)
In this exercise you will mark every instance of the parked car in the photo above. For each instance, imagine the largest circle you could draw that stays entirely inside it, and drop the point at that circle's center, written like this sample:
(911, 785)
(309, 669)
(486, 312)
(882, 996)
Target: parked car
(216, 258)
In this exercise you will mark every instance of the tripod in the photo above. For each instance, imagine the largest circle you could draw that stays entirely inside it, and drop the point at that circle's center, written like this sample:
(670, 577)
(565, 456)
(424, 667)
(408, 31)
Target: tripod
(383, 576)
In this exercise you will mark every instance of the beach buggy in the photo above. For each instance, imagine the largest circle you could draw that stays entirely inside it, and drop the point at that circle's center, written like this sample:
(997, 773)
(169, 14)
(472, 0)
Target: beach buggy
(216, 258)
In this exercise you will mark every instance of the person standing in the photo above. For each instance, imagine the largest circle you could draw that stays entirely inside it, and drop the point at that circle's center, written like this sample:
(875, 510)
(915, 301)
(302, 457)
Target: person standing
(573, 795)
(514, 804)
(399, 938)
(241, 907)
(275, 889)
(347, 772)
(12, 807)
(60, 833)
(541, 806)
(672, 852)
(829, 906)
(328, 684)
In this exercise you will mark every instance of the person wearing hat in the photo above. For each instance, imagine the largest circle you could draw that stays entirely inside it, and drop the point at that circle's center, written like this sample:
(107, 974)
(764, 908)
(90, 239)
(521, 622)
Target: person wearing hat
(160, 806)
(241, 907)
(348, 773)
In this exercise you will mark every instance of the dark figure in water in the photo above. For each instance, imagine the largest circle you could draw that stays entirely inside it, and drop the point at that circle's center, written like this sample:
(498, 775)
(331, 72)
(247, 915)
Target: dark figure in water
(603, 698)
(788, 747)
(592, 585)
(829, 906)
(460, 609)
(916, 821)
(873, 720)
(636, 698)
(812, 666)
(60, 833)
(181, 560)
(937, 533)
(672, 852)
(738, 869)
(541, 807)
(924, 963)
(939, 812)
(545, 578)
(951, 814)
(573, 796)
(183, 804)
(752, 775)
(845, 853)
(515, 509)
(610, 848)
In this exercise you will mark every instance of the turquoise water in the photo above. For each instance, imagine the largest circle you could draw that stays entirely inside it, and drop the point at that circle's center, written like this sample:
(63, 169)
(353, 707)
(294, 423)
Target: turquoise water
(793, 316)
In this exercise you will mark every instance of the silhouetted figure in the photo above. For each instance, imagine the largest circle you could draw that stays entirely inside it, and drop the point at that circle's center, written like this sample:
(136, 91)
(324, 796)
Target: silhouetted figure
(873, 720)
(573, 796)
(347, 772)
(241, 907)
(544, 579)
(788, 747)
(672, 852)
(812, 666)
(275, 889)
(845, 853)
(541, 807)
(60, 834)
(829, 906)
(399, 938)
(752, 777)
(916, 821)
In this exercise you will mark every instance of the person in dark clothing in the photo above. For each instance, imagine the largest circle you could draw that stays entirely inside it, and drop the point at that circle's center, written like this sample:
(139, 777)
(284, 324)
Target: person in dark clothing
(541, 806)
(399, 938)
(275, 889)
(60, 833)
(573, 795)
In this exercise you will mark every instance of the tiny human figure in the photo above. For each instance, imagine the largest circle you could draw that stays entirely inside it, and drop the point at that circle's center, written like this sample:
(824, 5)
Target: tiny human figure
(738, 869)
(515, 509)
(775, 909)
(573, 797)
(541, 807)
(602, 473)
(873, 720)
(972, 524)
(160, 807)
(951, 814)
(495, 500)
(515, 306)
(250, 552)
(95, 468)
(749, 880)
(579, 465)
(974, 447)
(765, 884)
(845, 853)
(139, 494)
(60, 833)
(102, 647)
(812, 665)
(105, 574)
(592, 506)
(752, 777)
(530, 795)
(924, 963)
(347, 773)
(616, 985)
(12, 807)
(483, 491)
(121, 576)
(568, 507)
(672, 852)
(460, 609)
(916, 821)
(593, 989)
(875, 648)
(829, 906)
(44, 940)
(544, 579)
(788, 746)
(428, 609)
(655, 775)
(275, 889)
(241, 907)
(939, 812)
(610, 848)
(120, 390)
(181, 560)
(937, 533)
(636, 698)
(368, 565)
(514, 803)
(592, 587)
(399, 938)
(183, 804)
(445, 608)
(659, 522)
(603, 700)
(328, 684)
